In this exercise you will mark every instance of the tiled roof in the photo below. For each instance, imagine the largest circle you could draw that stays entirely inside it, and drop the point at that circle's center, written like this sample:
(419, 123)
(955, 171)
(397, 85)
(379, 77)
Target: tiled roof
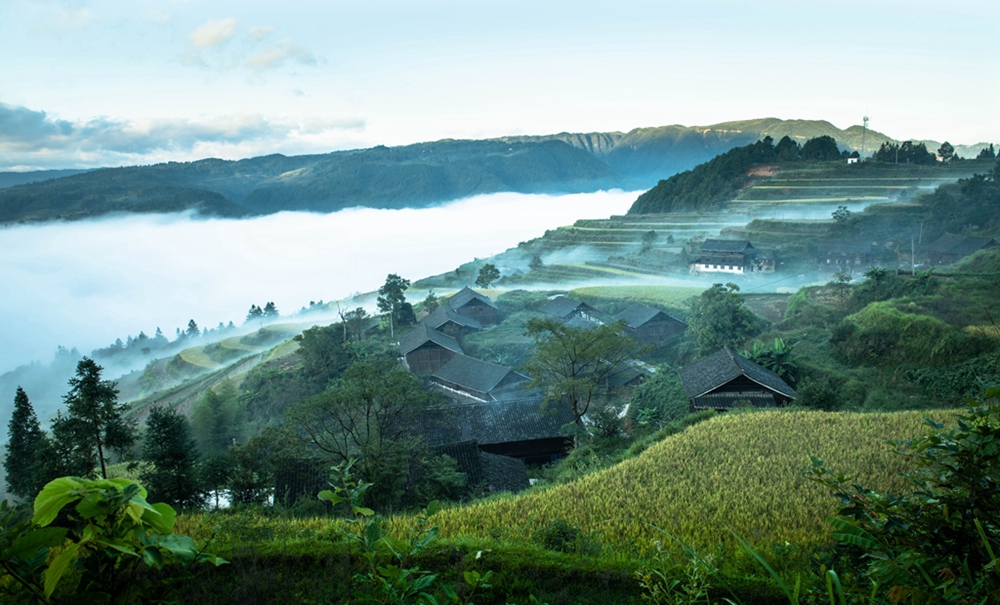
(726, 245)
(474, 374)
(723, 366)
(561, 306)
(639, 314)
(493, 422)
(962, 245)
(423, 334)
(465, 296)
(445, 314)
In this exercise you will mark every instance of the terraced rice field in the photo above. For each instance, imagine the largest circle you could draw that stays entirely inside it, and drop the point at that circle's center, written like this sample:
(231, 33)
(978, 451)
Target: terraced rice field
(671, 296)
(736, 471)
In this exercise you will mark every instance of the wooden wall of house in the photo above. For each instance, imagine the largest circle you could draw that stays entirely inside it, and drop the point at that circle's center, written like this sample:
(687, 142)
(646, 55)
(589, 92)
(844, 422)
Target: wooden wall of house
(480, 311)
(428, 358)
(742, 384)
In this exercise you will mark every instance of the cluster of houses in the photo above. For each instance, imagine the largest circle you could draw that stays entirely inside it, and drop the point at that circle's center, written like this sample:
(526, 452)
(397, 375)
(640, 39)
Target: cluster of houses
(492, 424)
(740, 257)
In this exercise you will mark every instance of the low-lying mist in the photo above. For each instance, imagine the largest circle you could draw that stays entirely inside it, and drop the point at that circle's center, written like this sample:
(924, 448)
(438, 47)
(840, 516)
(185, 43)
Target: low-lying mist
(84, 284)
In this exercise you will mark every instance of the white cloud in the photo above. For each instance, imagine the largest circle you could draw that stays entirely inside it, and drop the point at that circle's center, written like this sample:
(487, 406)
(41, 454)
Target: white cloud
(30, 138)
(276, 57)
(72, 18)
(213, 33)
(259, 33)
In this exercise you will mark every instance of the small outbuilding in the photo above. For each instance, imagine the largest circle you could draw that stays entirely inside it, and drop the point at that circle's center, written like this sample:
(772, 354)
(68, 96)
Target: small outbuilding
(472, 304)
(725, 380)
(427, 350)
(650, 326)
(950, 248)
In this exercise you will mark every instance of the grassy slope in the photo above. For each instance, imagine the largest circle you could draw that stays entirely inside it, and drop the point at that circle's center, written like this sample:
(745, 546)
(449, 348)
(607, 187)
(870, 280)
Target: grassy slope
(738, 471)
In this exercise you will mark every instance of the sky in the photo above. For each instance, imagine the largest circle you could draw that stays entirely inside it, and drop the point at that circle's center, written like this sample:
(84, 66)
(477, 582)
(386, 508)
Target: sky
(88, 83)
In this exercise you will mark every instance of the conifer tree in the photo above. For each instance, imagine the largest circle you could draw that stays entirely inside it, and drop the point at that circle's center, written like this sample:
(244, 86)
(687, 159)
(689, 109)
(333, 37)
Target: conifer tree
(94, 425)
(270, 311)
(25, 440)
(171, 450)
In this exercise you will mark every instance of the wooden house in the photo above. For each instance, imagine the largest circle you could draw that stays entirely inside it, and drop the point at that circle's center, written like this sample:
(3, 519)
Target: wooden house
(465, 378)
(515, 427)
(950, 248)
(738, 257)
(565, 308)
(447, 321)
(650, 326)
(427, 350)
(839, 255)
(725, 380)
(482, 469)
(472, 304)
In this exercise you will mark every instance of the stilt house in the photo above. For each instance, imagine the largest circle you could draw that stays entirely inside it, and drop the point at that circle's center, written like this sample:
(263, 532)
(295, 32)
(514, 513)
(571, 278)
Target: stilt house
(472, 304)
(650, 326)
(427, 350)
(725, 380)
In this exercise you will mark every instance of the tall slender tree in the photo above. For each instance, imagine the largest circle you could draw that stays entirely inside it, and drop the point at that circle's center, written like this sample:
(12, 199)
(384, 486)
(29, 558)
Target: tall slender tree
(94, 426)
(392, 298)
(25, 441)
(171, 450)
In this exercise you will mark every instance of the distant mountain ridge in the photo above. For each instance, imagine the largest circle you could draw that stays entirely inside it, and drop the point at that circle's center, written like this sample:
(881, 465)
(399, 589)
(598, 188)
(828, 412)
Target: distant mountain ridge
(406, 176)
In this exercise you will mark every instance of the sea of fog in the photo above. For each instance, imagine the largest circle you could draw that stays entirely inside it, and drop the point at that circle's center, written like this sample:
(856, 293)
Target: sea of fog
(84, 284)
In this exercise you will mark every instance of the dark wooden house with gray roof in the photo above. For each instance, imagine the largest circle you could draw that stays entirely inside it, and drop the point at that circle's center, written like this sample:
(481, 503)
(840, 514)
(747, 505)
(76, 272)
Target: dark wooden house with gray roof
(495, 473)
(516, 427)
(566, 308)
(837, 255)
(426, 350)
(729, 256)
(725, 380)
(472, 304)
(470, 378)
(447, 321)
(650, 326)
(950, 248)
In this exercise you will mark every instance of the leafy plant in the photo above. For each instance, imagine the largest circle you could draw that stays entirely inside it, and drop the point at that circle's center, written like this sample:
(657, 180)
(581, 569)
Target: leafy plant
(939, 540)
(110, 533)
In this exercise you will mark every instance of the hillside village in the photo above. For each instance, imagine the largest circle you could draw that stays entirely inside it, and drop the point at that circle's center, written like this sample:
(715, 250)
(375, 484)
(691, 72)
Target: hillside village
(586, 357)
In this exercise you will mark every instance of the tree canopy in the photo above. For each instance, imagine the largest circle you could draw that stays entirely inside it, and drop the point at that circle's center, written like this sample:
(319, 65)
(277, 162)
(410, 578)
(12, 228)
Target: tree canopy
(574, 365)
(488, 274)
(25, 442)
(719, 318)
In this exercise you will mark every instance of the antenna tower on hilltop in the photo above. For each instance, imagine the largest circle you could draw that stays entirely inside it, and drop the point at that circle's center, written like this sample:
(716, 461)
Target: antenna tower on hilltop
(864, 131)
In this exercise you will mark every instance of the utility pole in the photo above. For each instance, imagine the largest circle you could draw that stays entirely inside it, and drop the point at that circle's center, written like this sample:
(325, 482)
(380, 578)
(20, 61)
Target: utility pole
(864, 131)
(899, 237)
(913, 257)
(920, 238)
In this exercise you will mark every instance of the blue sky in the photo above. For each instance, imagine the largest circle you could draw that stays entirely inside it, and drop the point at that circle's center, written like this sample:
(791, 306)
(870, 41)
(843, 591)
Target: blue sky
(88, 83)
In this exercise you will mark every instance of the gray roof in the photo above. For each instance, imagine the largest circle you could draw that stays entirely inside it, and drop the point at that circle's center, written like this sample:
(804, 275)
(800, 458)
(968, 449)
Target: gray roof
(493, 422)
(717, 369)
(444, 314)
(841, 247)
(562, 306)
(962, 245)
(474, 374)
(639, 314)
(423, 334)
(465, 296)
(726, 245)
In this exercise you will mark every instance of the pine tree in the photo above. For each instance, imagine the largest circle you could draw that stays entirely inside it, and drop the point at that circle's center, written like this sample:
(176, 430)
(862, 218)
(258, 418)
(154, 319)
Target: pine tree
(270, 311)
(25, 440)
(171, 450)
(94, 425)
(192, 329)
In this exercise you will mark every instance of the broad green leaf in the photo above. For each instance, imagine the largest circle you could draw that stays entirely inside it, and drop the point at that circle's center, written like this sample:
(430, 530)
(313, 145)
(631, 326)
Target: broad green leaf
(331, 497)
(25, 546)
(58, 567)
(152, 557)
(54, 496)
(161, 518)
(182, 547)
(94, 504)
(361, 510)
